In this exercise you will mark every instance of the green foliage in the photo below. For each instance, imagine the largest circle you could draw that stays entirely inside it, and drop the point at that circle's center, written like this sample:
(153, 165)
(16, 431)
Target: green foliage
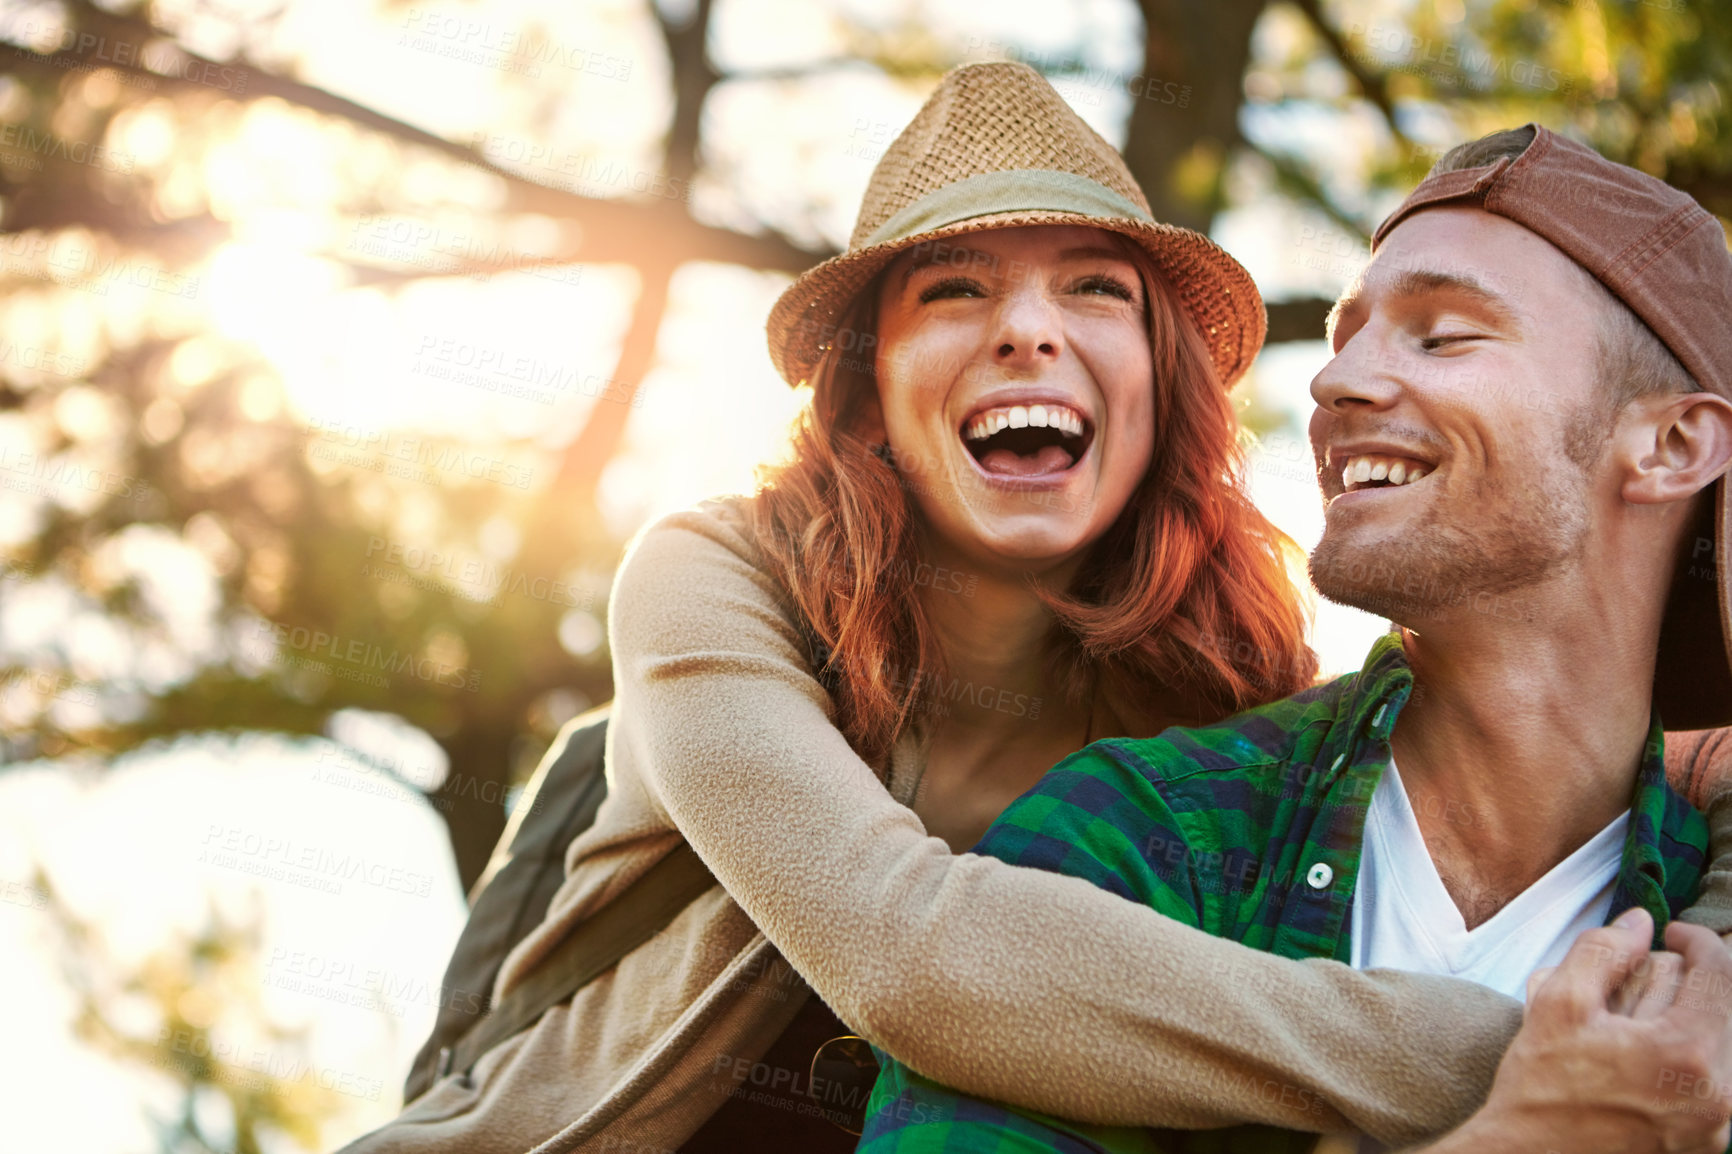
(318, 544)
(1643, 81)
(207, 1032)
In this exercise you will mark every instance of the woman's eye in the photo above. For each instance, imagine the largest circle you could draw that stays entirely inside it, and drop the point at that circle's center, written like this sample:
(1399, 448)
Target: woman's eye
(1107, 285)
(951, 286)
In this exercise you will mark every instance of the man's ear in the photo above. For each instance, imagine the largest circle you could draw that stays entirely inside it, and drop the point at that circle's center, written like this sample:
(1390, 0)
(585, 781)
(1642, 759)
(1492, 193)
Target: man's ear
(1685, 443)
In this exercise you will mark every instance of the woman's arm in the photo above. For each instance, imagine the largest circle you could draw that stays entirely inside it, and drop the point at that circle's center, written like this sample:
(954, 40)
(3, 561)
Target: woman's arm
(1006, 983)
(1699, 766)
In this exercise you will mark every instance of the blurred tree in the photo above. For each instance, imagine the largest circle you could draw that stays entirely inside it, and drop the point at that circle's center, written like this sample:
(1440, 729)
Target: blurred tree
(194, 458)
(240, 1078)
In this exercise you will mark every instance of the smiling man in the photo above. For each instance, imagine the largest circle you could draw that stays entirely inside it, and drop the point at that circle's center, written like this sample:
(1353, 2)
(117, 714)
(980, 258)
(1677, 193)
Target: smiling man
(1520, 441)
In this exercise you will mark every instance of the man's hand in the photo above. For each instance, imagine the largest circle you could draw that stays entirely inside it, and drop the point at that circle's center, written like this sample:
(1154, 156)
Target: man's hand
(1621, 1051)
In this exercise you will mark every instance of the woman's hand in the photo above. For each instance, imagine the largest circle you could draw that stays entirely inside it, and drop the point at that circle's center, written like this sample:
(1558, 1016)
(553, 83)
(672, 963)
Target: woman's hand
(1621, 1050)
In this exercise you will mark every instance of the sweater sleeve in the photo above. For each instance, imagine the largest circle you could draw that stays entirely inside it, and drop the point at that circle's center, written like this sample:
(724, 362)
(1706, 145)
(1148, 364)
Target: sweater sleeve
(1699, 766)
(1009, 983)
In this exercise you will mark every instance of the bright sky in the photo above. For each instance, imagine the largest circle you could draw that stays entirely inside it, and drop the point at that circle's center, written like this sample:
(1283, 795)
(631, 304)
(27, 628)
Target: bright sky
(142, 850)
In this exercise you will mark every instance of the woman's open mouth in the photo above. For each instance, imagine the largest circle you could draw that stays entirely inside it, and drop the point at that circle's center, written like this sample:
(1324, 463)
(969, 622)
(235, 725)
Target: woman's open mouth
(1027, 440)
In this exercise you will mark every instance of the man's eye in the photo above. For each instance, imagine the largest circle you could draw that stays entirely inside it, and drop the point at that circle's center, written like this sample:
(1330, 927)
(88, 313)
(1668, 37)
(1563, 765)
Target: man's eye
(1108, 286)
(951, 286)
(1439, 340)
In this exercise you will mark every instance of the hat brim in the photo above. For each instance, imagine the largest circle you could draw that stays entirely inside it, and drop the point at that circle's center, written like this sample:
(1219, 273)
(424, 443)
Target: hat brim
(1693, 676)
(1214, 290)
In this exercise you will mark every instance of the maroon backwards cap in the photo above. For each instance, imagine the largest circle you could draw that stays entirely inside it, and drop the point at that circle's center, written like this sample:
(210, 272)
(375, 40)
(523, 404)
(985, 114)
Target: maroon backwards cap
(1665, 257)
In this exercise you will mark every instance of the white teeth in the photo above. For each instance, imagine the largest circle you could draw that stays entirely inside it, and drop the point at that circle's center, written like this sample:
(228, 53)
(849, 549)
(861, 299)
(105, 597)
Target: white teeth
(1360, 470)
(1060, 417)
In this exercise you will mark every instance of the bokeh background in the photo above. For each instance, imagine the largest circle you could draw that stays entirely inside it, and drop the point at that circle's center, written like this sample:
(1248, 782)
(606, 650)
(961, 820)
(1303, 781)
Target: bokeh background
(344, 343)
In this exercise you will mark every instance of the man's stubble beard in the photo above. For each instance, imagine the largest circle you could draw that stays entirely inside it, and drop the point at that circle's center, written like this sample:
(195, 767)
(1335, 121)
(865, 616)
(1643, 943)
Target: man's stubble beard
(1438, 565)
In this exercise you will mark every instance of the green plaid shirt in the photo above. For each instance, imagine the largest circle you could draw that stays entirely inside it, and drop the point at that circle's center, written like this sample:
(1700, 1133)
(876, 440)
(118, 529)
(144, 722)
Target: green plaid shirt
(1250, 829)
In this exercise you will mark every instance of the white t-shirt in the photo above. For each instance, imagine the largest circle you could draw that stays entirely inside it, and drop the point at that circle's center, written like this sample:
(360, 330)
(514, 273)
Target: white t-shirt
(1404, 918)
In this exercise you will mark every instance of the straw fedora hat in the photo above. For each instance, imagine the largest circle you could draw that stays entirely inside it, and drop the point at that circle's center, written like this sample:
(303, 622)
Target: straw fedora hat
(995, 146)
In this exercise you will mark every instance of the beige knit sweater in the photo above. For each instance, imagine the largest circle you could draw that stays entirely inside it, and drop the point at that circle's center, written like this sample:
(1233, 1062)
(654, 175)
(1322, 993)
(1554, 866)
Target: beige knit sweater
(1011, 983)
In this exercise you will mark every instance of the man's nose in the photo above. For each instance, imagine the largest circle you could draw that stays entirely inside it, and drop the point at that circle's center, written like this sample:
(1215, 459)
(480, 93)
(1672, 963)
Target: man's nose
(1359, 378)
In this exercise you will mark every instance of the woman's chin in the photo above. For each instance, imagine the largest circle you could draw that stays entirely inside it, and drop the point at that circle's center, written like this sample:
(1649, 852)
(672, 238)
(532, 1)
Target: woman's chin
(1032, 542)
(1026, 528)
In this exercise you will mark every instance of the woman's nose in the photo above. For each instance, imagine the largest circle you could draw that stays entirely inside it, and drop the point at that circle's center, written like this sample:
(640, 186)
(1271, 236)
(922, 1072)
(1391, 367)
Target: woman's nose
(1028, 327)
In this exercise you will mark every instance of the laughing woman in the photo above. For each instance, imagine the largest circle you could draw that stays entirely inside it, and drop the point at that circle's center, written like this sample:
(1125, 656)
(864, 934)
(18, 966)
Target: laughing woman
(1013, 523)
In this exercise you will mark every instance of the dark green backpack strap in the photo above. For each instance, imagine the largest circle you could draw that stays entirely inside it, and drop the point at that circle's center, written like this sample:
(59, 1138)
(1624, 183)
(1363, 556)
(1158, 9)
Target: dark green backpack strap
(514, 892)
(648, 906)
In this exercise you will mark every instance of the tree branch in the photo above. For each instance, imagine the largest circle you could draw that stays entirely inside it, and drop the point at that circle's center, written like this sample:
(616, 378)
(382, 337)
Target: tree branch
(613, 230)
(581, 464)
(1302, 185)
(1373, 84)
(1297, 320)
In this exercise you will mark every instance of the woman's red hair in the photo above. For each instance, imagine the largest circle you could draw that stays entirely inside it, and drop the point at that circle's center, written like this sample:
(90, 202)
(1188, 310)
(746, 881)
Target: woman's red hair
(1187, 590)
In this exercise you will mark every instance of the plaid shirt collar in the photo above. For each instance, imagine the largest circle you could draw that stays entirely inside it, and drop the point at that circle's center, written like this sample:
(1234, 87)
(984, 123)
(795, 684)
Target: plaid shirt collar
(1662, 859)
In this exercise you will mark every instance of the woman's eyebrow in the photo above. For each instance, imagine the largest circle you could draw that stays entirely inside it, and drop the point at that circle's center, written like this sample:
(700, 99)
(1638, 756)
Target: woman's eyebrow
(947, 254)
(1090, 251)
(944, 254)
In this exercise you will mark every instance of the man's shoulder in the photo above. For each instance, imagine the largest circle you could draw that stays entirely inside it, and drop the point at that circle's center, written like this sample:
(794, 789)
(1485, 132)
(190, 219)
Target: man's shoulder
(1181, 821)
(1251, 744)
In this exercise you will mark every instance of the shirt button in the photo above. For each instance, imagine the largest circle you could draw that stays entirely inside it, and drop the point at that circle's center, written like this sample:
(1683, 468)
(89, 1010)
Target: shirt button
(1319, 876)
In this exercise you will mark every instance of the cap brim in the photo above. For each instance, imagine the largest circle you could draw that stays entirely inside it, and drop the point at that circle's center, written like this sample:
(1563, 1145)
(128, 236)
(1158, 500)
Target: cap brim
(1693, 677)
(1213, 289)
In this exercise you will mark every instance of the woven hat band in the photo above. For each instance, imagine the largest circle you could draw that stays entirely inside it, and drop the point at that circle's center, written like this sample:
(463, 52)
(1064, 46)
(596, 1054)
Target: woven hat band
(1015, 190)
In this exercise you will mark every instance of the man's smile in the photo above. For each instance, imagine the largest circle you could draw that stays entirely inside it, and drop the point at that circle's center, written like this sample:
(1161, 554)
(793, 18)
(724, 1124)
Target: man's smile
(1368, 471)
(1364, 467)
